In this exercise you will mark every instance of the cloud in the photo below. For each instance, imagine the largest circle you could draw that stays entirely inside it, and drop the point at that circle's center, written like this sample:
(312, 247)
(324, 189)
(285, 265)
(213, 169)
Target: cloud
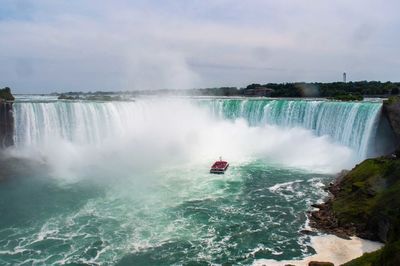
(91, 45)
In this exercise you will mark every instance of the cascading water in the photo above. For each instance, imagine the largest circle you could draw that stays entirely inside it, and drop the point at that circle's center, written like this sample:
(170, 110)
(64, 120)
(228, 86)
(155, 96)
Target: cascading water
(349, 123)
(81, 122)
(127, 183)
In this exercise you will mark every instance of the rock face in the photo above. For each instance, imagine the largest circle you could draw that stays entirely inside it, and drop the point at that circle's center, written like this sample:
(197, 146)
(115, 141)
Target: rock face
(6, 118)
(6, 124)
(391, 108)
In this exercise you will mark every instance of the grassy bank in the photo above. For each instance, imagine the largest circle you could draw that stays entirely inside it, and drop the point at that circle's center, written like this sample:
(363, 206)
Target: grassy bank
(369, 201)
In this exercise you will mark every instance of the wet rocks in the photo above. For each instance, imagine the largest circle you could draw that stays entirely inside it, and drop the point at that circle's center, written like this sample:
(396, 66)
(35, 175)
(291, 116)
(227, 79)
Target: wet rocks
(320, 263)
(325, 220)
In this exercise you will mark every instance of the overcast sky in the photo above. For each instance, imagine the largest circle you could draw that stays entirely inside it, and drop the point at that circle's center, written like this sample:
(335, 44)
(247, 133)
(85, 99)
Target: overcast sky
(49, 45)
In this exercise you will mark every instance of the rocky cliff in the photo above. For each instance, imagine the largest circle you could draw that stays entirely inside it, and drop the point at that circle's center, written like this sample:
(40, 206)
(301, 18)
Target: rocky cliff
(391, 109)
(6, 118)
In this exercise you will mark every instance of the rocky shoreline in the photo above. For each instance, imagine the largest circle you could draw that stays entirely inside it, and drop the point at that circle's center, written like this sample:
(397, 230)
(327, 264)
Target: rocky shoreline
(325, 220)
(365, 202)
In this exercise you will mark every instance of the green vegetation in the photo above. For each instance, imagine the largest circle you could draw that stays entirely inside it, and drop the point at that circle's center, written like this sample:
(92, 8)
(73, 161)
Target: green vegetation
(334, 89)
(5, 94)
(368, 259)
(369, 200)
(389, 255)
(392, 100)
(347, 97)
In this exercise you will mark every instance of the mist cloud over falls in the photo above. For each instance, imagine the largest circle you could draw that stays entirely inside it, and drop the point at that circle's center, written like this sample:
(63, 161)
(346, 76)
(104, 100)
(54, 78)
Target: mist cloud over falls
(118, 139)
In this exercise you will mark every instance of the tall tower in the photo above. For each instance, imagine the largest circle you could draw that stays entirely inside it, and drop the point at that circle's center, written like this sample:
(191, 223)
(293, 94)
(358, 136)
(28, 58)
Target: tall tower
(344, 77)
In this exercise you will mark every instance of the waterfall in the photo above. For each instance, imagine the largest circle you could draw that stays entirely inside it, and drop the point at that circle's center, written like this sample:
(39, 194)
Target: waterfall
(81, 122)
(352, 124)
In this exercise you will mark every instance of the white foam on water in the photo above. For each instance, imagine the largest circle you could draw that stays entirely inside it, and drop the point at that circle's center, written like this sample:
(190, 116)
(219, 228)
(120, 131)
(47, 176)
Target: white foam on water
(284, 186)
(329, 248)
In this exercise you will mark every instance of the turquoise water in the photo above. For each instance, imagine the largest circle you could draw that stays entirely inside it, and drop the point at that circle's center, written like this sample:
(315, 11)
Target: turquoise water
(127, 183)
(182, 216)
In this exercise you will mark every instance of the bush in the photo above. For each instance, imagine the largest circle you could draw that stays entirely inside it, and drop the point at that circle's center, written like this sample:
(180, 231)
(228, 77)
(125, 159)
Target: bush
(5, 94)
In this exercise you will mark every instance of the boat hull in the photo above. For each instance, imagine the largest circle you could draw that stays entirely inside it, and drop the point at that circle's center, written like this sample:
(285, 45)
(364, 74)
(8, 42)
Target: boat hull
(219, 170)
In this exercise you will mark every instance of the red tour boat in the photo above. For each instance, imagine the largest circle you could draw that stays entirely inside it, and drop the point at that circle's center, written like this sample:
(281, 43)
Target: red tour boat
(219, 167)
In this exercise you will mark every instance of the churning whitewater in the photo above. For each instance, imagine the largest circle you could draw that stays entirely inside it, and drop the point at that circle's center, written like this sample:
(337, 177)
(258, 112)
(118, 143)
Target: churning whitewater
(127, 182)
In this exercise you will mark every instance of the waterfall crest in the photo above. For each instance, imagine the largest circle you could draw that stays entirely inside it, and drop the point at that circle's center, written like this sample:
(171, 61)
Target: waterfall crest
(348, 123)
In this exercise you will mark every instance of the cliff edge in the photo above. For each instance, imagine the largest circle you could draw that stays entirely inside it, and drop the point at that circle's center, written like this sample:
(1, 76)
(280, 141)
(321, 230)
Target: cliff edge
(391, 109)
(6, 118)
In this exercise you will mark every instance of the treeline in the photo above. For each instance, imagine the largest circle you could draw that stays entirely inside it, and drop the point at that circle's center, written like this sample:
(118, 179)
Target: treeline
(128, 95)
(336, 90)
(303, 89)
(222, 91)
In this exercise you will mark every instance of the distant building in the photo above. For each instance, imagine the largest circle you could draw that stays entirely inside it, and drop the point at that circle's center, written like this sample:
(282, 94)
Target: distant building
(344, 77)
